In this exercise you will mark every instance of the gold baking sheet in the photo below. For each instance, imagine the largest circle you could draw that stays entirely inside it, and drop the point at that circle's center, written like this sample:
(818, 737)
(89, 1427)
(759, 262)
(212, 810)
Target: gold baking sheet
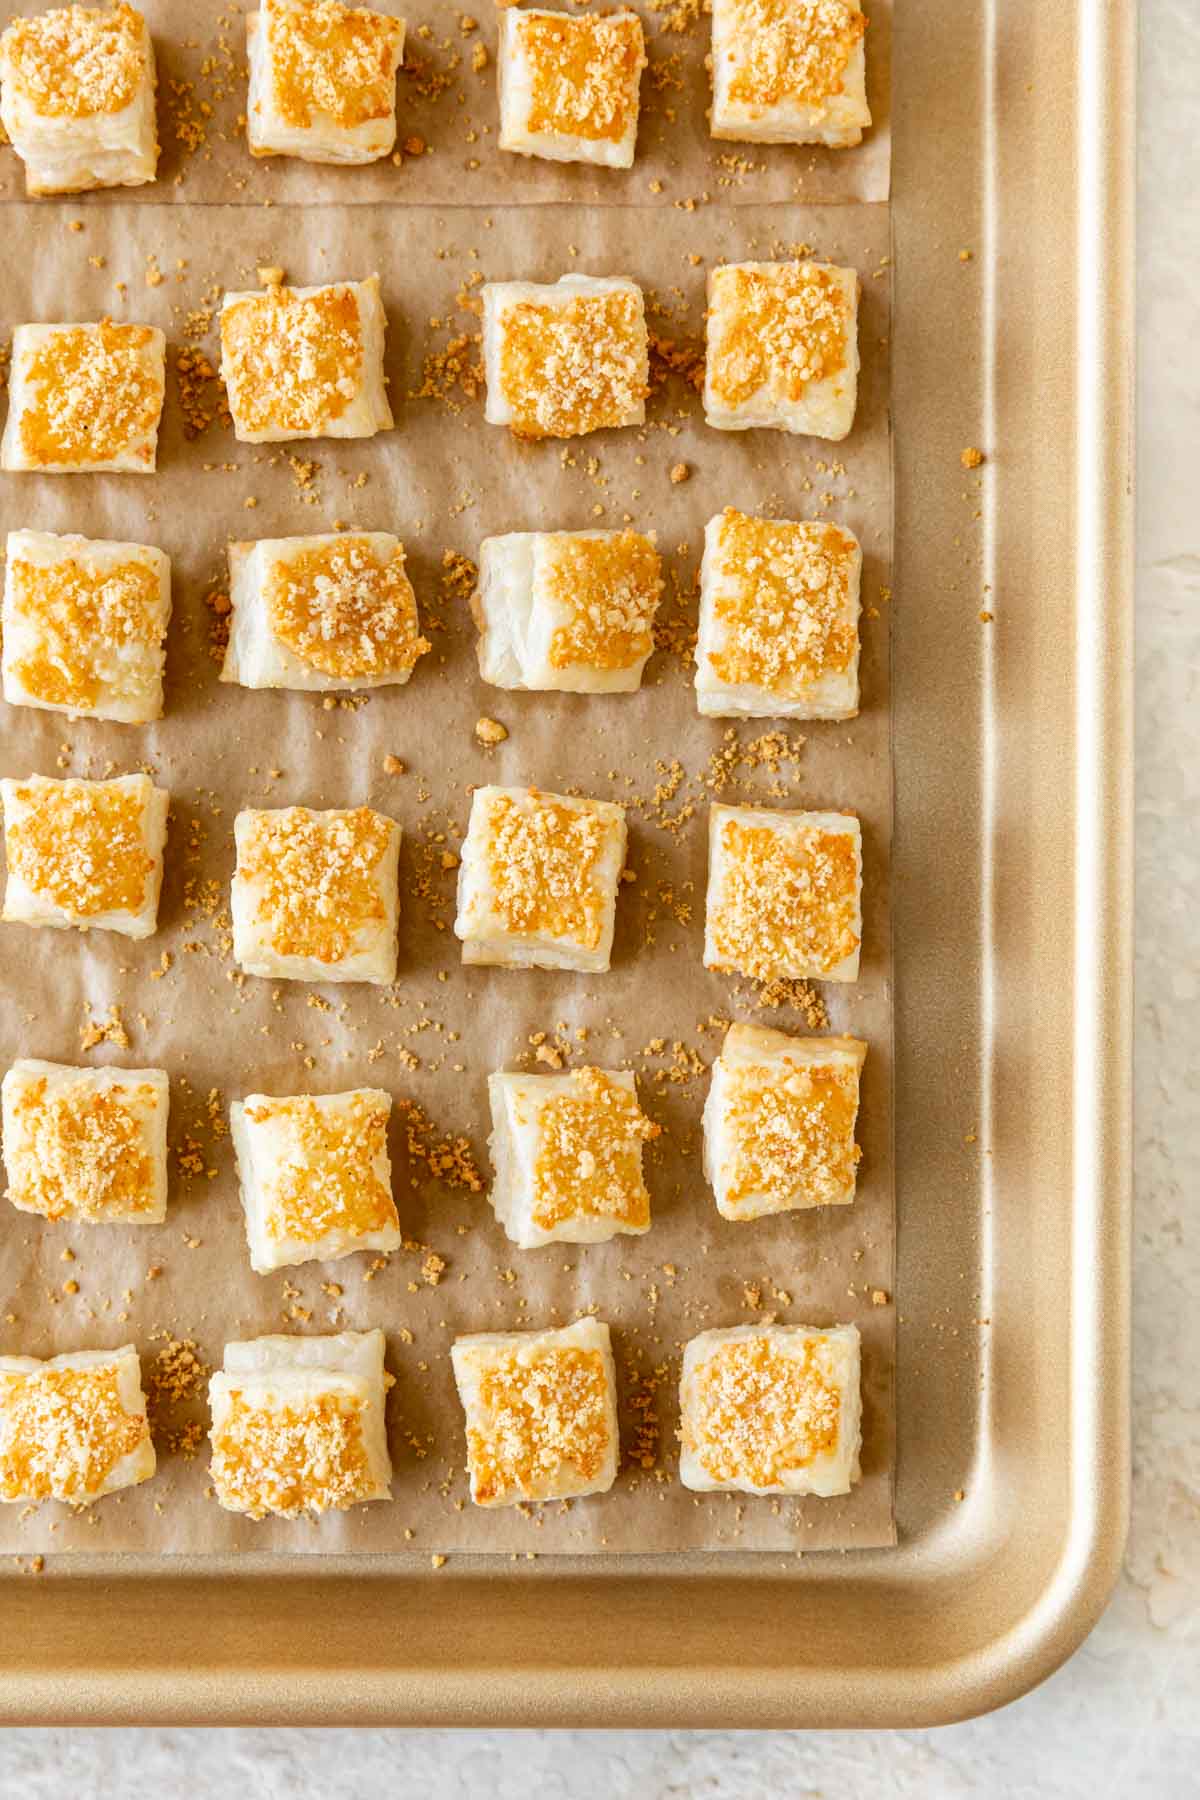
(447, 113)
(443, 480)
(1013, 924)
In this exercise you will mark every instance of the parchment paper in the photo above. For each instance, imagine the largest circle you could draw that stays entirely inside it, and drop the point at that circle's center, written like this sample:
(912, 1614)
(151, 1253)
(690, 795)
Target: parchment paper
(450, 106)
(443, 480)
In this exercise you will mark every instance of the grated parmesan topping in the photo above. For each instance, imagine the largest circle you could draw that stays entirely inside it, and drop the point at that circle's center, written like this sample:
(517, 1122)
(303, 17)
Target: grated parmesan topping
(292, 362)
(574, 367)
(589, 1160)
(757, 1412)
(63, 1432)
(98, 630)
(324, 1179)
(315, 876)
(788, 899)
(77, 63)
(610, 587)
(792, 1132)
(539, 1416)
(791, 51)
(343, 611)
(584, 74)
(542, 862)
(81, 1152)
(782, 603)
(339, 61)
(291, 1459)
(774, 328)
(81, 844)
(95, 393)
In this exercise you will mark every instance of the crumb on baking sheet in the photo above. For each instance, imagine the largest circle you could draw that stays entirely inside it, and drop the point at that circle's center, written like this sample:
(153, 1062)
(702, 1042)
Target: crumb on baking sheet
(111, 1030)
(447, 1159)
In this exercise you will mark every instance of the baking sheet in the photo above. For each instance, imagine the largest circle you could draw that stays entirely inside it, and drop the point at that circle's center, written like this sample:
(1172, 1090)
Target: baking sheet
(443, 480)
(447, 112)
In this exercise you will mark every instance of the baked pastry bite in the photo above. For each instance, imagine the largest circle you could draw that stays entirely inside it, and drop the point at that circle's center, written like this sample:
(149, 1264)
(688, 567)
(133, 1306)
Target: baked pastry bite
(784, 894)
(779, 1122)
(322, 81)
(85, 622)
(537, 884)
(326, 613)
(541, 1412)
(779, 610)
(569, 87)
(298, 1425)
(84, 399)
(571, 611)
(315, 1176)
(771, 1409)
(73, 1427)
(315, 894)
(789, 72)
(87, 854)
(77, 98)
(305, 362)
(782, 348)
(567, 1151)
(567, 357)
(89, 1145)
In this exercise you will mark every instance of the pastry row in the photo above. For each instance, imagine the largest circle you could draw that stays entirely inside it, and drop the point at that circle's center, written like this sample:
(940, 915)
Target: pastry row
(85, 620)
(90, 1146)
(315, 895)
(298, 1423)
(561, 359)
(78, 84)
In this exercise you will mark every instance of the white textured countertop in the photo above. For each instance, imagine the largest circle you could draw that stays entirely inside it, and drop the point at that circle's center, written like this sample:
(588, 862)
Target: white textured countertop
(1122, 1720)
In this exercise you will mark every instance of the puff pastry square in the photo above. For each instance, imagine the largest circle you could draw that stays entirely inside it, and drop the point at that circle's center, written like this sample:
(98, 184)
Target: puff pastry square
(77, 98)
(541, 1413)
(537, 885)
(567, 357)
(779, 1122)
(569, 87)
(779, 610)
(571, 611)
(567, 1151)
(315, 1175)
(305, 362)
(771, 1409)
(315, 894)
(789, 72)
(298, 1425)
(72, 1428)
(83, 399)
(784, 894)
(89, 1145)
(325, 613)
(85, 622)
(87, 854)
(782, 348)
(322, 81)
